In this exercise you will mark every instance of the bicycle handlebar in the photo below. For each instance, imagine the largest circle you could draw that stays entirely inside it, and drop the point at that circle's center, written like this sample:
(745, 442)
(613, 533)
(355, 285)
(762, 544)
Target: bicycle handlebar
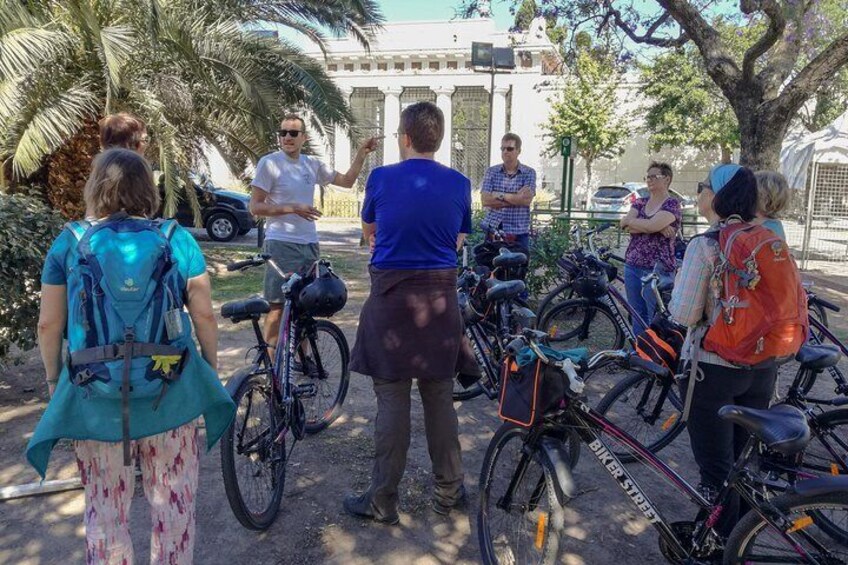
(256, 261)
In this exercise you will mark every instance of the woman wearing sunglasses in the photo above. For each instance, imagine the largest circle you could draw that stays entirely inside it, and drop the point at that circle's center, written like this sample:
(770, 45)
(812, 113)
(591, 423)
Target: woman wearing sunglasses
(653, 223)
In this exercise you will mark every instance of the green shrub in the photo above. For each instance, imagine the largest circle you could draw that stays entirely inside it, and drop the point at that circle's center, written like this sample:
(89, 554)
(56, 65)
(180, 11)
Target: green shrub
(547, 244)
(27, 229)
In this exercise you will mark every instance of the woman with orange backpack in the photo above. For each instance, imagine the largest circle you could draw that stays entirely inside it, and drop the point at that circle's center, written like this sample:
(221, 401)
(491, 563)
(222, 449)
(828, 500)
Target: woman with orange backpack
(738, 291)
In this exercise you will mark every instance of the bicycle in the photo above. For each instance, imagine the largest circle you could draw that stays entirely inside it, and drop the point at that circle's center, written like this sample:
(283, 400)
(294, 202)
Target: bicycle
(525, 482)
(277, 408)
(492, 311)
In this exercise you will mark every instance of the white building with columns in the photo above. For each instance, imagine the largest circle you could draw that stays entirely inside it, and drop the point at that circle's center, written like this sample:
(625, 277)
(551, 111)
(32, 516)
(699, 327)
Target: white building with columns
(412, 61)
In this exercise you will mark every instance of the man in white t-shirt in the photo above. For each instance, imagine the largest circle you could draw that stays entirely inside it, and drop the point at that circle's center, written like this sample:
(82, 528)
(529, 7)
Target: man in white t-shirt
(283, 191)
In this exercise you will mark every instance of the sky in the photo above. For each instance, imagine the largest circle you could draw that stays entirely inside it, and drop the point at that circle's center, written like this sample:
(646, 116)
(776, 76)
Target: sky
(416, 10)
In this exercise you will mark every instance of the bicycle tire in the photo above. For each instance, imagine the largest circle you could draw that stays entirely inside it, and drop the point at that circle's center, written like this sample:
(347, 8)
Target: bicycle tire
(561, 292)
(825, 428)
(817, 311)
(267, 461)
(670, 424)
(741, 543)
(579, 316)
(319, 417)
(460, 393)
(535, 531)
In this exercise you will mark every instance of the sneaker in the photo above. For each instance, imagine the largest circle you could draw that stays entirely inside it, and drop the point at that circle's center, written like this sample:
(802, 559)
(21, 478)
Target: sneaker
(360, 506)
(461, 503)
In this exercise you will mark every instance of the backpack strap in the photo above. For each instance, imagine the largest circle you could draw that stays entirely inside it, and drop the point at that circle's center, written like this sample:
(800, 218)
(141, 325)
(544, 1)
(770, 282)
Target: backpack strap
(167, 227)
(78, 228)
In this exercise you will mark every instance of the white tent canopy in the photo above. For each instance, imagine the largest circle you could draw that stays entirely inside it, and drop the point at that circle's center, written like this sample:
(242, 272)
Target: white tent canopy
(829, 145)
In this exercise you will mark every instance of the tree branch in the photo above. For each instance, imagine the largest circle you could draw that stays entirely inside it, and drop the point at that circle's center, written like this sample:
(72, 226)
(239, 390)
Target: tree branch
(814, 75)
(719, 64)
(648, 37)
(777, 25)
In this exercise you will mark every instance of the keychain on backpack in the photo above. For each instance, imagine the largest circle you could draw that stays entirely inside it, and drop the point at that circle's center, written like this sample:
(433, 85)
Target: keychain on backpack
(173, 318)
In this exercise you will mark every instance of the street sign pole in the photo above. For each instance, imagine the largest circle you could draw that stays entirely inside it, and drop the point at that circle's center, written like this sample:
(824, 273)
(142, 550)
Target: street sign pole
(566, 147)
(570, 183)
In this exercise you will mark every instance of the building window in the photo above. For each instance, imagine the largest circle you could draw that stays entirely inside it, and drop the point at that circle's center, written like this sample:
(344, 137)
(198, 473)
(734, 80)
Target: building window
(332, 68)
(400, 66)
(365, 67)
(382, 66)
(470, 132)
(413, 94)
(452, 65)
(348, 67)
(367, 106)
(416, 65)
(468, 65)
(434, 65)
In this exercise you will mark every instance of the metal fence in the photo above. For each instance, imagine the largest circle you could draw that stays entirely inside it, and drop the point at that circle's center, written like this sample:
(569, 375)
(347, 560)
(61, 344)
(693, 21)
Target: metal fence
(470, 132)
(367, 105)
(819, 228)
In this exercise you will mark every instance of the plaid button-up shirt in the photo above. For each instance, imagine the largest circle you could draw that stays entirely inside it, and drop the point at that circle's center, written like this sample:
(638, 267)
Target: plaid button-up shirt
(692, 300)
(514, 220)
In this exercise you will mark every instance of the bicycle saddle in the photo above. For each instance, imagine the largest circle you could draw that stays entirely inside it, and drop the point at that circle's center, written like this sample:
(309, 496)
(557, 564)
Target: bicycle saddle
(818, 356)
(782, 428)
(505, 290)
(507, 258)
(248, 309)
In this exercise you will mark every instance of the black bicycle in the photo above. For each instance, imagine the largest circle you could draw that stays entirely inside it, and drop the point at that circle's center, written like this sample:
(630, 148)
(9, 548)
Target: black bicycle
(282, 395)
(526, 480)
(492, 311)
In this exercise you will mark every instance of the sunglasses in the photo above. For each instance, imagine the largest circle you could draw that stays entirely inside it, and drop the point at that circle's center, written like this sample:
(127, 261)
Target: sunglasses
(288, 132)
(702, 186)
(508, 149)
(654, 177)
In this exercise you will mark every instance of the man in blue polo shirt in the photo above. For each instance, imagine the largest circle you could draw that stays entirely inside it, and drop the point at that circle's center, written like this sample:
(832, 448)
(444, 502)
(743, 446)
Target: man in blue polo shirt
(507, 191)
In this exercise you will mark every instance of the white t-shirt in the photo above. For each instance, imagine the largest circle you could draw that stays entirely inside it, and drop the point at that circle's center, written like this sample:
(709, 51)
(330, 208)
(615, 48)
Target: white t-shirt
(289, 181)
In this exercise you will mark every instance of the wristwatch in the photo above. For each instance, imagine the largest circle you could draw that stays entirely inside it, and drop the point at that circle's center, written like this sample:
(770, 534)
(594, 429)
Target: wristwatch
(501, 196)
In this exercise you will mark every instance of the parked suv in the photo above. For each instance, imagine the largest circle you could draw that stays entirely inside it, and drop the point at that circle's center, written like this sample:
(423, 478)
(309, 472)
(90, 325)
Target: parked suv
(613, 201)
(224, 213)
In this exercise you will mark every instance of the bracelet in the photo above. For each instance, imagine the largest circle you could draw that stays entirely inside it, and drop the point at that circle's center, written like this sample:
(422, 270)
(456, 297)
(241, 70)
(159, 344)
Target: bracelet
(52, 381)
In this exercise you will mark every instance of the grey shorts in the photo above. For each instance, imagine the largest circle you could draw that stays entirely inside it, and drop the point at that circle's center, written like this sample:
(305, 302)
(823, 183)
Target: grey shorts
(290, 257)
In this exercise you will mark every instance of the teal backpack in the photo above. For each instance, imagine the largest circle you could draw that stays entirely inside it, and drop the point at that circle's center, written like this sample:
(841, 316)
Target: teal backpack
(126, 293)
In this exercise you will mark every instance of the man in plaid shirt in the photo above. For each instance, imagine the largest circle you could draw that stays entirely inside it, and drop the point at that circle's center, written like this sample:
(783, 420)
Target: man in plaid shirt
(507, 192)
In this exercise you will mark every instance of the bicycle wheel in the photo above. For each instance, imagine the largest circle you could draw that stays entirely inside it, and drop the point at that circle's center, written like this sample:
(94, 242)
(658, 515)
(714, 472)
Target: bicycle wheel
(827, 452)
(323, 387)
(252, 462)
(753, 540)
(579, 323)
(561, 292)
(461, 393)
(526, 528)
(817, 312)
(630, 405)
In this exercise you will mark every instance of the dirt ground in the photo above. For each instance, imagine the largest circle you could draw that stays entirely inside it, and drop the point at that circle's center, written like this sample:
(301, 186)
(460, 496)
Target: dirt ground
(602, 525)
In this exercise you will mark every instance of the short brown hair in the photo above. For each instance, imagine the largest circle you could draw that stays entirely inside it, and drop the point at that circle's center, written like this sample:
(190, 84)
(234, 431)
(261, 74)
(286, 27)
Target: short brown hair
(121, 179)
(512, 137)
(424, 123)
(773, 193)
(121, 130)
(289, 117)
(664, 168)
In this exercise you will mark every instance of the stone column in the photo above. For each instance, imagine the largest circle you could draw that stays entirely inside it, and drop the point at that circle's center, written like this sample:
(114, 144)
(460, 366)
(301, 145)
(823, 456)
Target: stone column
(341, 140)
(391, 122)
(498, 122)
(445, 104)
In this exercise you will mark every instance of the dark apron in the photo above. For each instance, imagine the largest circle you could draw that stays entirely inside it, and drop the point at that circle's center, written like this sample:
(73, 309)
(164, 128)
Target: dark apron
(410, 327)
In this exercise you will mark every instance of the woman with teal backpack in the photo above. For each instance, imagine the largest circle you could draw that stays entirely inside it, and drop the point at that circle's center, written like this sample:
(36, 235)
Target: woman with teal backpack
(125, 291)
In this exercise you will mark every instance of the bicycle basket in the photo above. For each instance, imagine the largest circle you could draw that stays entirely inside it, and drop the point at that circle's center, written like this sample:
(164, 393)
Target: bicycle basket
(529, 392)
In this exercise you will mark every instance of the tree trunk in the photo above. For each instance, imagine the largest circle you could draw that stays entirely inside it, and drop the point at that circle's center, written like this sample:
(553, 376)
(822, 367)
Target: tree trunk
(726, 154)
(761, 132)
(588, 180)
(68, 170)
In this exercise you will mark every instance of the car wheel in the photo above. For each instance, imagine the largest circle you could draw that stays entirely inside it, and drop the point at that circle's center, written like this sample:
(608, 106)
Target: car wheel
(244, 231)
(221, 226)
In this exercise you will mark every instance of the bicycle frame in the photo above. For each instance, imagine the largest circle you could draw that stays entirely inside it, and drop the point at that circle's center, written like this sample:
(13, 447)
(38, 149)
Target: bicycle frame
(590, 426)
(835, 373)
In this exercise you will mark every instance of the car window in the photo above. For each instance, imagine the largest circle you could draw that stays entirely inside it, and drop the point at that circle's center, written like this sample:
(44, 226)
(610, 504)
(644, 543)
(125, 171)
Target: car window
(612, 192)
(643, 192)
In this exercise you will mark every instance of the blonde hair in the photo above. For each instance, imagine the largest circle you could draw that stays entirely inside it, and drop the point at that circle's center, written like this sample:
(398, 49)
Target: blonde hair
(773, 194)
(121, 180)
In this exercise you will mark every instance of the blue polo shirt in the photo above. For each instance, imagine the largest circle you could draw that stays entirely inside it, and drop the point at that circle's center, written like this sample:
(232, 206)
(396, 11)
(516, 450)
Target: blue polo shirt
(420, 208)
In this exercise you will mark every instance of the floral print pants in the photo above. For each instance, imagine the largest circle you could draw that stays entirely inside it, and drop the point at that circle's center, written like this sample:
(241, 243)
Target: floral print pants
(169, 465)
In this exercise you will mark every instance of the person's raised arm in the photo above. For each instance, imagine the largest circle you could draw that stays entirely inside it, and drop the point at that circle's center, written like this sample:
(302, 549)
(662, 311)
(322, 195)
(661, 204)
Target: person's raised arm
(348, 179)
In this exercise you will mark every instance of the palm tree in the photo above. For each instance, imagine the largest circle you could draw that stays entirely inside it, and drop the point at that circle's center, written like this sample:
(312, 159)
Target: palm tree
(197, 71)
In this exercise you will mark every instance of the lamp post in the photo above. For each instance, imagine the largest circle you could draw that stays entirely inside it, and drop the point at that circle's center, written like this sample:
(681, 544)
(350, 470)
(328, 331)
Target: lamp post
(486, 58)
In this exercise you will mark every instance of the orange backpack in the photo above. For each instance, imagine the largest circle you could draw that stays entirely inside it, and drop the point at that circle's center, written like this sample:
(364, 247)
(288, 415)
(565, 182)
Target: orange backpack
(763, 307)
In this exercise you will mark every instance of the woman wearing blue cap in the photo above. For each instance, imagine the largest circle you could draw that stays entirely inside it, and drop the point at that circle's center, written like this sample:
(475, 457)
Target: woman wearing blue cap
(729, 194)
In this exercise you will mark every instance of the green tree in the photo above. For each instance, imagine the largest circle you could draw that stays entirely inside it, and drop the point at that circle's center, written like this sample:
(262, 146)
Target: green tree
(196, 71)
(799, 47)
(587, 109)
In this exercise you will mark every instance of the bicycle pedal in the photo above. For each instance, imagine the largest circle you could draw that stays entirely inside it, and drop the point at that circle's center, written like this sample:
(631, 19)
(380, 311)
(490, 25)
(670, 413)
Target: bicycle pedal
(305, 389)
